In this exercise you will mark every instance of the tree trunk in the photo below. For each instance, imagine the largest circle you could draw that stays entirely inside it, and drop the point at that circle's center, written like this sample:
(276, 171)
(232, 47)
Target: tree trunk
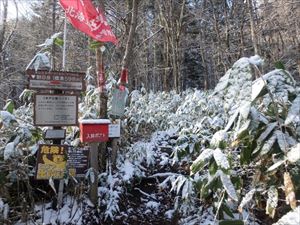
(53, 31)
(4, 25)
(252, 26)
(130, 39)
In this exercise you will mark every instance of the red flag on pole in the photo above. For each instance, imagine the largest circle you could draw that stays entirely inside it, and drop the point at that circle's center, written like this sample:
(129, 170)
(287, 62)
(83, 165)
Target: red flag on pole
(85, 17)
(123, 79)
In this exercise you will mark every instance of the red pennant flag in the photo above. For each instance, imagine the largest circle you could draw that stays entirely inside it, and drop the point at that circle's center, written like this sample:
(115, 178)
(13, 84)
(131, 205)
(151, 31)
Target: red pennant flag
(123, 79)
(85, 17)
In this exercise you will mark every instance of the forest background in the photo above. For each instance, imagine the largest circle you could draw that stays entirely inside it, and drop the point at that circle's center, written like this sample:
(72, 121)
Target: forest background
(178, 44)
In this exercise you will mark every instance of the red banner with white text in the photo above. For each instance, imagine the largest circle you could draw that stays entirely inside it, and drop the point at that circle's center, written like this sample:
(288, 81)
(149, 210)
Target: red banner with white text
(85, 17)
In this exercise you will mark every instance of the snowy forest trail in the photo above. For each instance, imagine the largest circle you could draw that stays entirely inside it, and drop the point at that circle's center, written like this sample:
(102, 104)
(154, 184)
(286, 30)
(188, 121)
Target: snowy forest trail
(144, 200)
(183, 157)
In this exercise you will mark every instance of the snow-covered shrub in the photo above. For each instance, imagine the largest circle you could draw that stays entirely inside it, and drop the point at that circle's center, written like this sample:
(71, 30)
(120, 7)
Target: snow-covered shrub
(260, 136)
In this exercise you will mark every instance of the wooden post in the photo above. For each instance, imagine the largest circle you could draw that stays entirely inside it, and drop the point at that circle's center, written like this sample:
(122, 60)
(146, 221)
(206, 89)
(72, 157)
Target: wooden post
(114, 151)
(60, 193)
(132, 22)
(103, 104)
(95, 167)
(56, 203)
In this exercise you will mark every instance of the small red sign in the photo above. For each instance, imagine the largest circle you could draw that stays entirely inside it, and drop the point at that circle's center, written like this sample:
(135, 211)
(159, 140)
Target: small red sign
(94, 132)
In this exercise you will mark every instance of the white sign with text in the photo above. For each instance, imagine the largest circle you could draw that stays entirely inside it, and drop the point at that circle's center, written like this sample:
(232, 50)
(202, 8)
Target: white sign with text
(114, 129)
(55, 110)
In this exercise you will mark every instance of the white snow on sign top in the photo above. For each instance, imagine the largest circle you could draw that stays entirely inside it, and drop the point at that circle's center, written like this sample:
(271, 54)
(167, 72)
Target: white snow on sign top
(94, 121)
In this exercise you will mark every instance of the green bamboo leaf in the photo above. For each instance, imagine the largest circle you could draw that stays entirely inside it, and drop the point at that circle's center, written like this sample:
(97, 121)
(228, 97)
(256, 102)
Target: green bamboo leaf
(59, 42)
(279, 65)
(10, 106)
(95, 44)
(245, 157)
(227, 210)
(202, 160)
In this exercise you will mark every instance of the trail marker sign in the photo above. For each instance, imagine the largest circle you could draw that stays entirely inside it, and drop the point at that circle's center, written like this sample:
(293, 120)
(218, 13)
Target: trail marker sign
(56, 80)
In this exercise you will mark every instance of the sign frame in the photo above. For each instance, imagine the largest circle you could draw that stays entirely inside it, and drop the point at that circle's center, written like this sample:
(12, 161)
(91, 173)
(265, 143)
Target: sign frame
(75, 123)
(56, 80)
(57, 137)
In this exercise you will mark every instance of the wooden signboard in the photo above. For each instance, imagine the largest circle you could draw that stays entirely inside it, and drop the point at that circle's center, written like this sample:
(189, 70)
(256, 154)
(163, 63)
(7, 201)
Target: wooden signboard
(78, 160)
(56, 80)
(51, 162)
(55, 110)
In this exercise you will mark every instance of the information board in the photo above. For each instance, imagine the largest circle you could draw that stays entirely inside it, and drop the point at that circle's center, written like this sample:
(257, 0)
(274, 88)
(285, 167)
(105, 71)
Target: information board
(56, 80)
(55, 110)
(78, 158)
(51, 162)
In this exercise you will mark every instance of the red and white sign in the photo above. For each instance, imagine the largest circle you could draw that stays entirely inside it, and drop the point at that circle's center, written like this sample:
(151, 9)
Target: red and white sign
(85, 17)
(94, 130)
(56, 80)
(114, 129)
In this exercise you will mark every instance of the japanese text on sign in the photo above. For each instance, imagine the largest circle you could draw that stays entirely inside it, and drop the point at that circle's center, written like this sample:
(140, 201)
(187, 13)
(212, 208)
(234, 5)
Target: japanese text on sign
(58, 80)
(78, 161)
(51, 162)
(58, 110)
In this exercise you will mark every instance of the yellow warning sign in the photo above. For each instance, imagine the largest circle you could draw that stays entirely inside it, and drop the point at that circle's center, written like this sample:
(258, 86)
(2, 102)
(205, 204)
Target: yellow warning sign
(51, 162)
